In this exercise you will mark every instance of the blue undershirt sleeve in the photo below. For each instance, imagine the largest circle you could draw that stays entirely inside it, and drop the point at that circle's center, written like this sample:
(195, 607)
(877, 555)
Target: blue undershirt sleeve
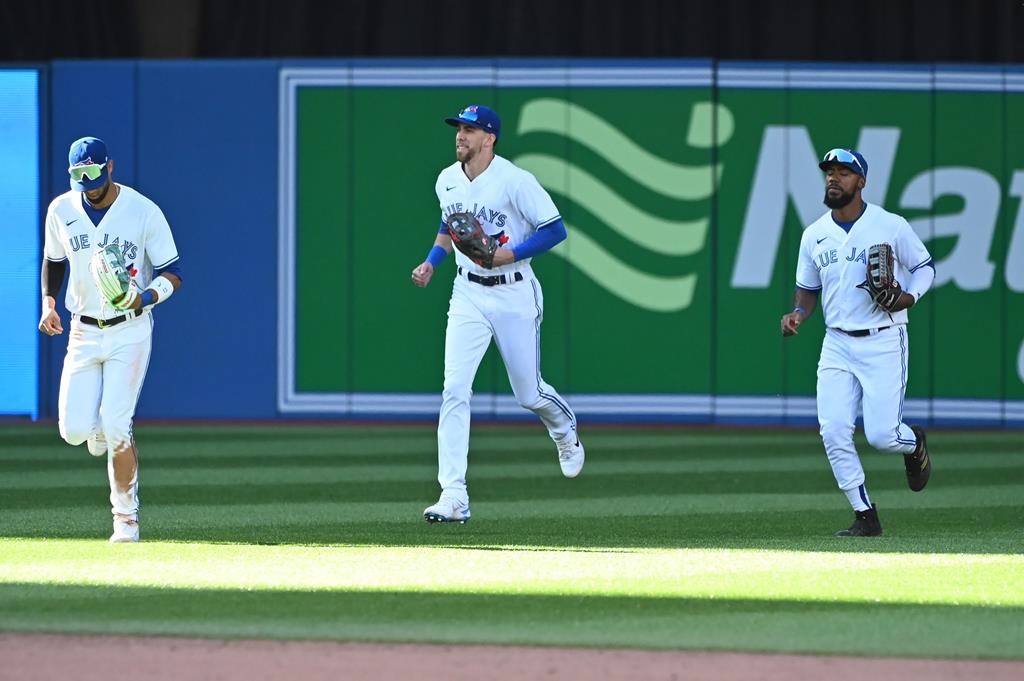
(544, 239)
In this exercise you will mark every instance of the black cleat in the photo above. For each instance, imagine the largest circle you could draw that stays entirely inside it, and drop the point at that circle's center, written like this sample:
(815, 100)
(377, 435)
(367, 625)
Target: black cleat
(918, 463)
(864, 525)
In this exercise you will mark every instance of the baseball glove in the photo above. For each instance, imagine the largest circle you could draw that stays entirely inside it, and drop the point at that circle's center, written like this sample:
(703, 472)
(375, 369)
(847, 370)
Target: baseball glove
(882, 284)
(470, 238)
(112, 278)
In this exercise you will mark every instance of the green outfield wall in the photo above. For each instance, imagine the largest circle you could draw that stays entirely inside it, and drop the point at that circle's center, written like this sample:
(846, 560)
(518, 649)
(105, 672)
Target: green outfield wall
(685, 189)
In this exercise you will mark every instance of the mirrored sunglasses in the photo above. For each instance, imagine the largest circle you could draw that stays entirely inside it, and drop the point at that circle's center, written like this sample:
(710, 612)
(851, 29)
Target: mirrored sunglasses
(842, 156)
(91, 171)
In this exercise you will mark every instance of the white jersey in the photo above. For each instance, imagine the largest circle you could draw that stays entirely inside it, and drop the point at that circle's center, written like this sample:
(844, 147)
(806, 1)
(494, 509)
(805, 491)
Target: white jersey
(835, 263)
(132, 221)
(507, 200)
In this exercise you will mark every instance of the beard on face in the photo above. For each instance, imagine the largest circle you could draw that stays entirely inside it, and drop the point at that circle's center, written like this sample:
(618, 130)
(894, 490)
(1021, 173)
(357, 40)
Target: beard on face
(840, 201)
(102, 195)
(465, 154)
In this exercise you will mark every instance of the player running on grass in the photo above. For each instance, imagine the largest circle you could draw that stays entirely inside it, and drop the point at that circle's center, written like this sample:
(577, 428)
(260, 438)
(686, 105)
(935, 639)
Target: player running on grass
(123, 261)
(865, 353)
(502, 302)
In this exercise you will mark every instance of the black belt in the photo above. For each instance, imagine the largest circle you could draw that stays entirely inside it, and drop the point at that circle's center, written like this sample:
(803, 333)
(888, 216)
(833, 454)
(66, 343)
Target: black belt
(860, 333)
(104, 323)
(495, 279)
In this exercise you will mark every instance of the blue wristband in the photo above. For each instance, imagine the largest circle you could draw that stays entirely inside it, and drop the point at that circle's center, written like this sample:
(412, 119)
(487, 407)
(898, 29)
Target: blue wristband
(799, 310)
(147, 298)
(436, 256)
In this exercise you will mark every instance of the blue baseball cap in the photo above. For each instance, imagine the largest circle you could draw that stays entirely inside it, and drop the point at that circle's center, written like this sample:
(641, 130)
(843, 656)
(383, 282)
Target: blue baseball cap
(846, 157)
(478, 116)
(87, 151)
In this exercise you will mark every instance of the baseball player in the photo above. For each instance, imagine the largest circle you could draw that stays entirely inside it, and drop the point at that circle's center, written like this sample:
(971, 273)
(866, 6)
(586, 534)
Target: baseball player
(110, 340)
(503, 302)
(864, 355)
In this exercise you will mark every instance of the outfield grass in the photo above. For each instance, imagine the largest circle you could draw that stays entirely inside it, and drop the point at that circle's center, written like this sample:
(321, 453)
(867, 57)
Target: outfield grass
(669, 539)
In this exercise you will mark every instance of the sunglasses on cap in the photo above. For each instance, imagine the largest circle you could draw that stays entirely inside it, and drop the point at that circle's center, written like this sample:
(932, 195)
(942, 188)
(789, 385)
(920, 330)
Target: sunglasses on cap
(90, 171)
(843, 156)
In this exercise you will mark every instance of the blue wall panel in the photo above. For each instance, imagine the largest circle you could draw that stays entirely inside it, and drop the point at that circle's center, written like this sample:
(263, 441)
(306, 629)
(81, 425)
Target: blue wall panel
(207, 143)
(200, 139)
(20, 255)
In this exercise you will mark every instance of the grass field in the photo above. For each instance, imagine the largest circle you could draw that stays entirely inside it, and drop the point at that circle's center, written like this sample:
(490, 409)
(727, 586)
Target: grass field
(671, 538)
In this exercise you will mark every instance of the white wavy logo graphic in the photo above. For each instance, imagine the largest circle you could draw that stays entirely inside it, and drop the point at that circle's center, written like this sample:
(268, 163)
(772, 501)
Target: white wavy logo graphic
(676, 181)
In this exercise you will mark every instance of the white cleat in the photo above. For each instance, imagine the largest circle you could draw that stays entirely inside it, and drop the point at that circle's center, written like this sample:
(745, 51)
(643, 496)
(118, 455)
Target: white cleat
(571, 456)
(126, 531)
(97, 444)
(447, 510)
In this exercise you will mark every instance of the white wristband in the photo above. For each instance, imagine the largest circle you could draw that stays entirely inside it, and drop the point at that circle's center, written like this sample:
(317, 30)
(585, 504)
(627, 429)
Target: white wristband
(163, 287)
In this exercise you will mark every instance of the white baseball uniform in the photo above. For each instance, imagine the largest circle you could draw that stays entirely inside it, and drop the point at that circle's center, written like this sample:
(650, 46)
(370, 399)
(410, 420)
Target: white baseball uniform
(510, 205)
(105, 367)
(869, 371)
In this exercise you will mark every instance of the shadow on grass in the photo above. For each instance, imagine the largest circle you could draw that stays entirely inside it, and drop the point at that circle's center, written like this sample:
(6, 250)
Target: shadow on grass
(459, 615)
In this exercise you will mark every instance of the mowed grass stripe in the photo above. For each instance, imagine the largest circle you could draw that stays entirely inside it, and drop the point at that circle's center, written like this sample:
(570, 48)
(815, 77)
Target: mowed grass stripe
(188, 439)
(45, 434)
(937, 530)
(717, 624)
(541, 489)
(271, 454)
(757, 575)
(642, 445)
(343, 469)
(607, 432)
(499, 509)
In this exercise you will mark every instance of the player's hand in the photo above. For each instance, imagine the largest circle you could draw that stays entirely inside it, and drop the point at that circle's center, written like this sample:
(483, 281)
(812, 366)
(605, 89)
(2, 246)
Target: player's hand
(790, 322)
(422, 274)
(129, 300)
(49, 323)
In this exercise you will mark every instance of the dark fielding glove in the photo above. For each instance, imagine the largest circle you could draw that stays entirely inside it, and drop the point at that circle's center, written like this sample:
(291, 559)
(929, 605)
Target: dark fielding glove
(471, 239)
(882, 284)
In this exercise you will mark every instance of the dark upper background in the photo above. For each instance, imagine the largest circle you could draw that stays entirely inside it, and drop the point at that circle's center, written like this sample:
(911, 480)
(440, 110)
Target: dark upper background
(980, 31)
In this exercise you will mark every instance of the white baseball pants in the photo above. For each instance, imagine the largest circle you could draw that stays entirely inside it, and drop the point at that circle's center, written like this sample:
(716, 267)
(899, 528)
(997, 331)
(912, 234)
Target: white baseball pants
(868, 374)
(99, 387)
(511, 314)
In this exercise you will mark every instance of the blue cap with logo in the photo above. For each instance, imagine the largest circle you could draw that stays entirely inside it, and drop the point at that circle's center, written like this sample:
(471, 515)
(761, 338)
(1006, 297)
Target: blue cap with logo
(846, 157)
(478, 116)
(87, 164)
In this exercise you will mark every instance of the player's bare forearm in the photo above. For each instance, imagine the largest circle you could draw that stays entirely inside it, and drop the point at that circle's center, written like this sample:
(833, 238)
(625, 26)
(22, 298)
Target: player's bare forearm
(503, 256)
(905, 301)
(806, 300)
(804, 303)
(173, 278)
